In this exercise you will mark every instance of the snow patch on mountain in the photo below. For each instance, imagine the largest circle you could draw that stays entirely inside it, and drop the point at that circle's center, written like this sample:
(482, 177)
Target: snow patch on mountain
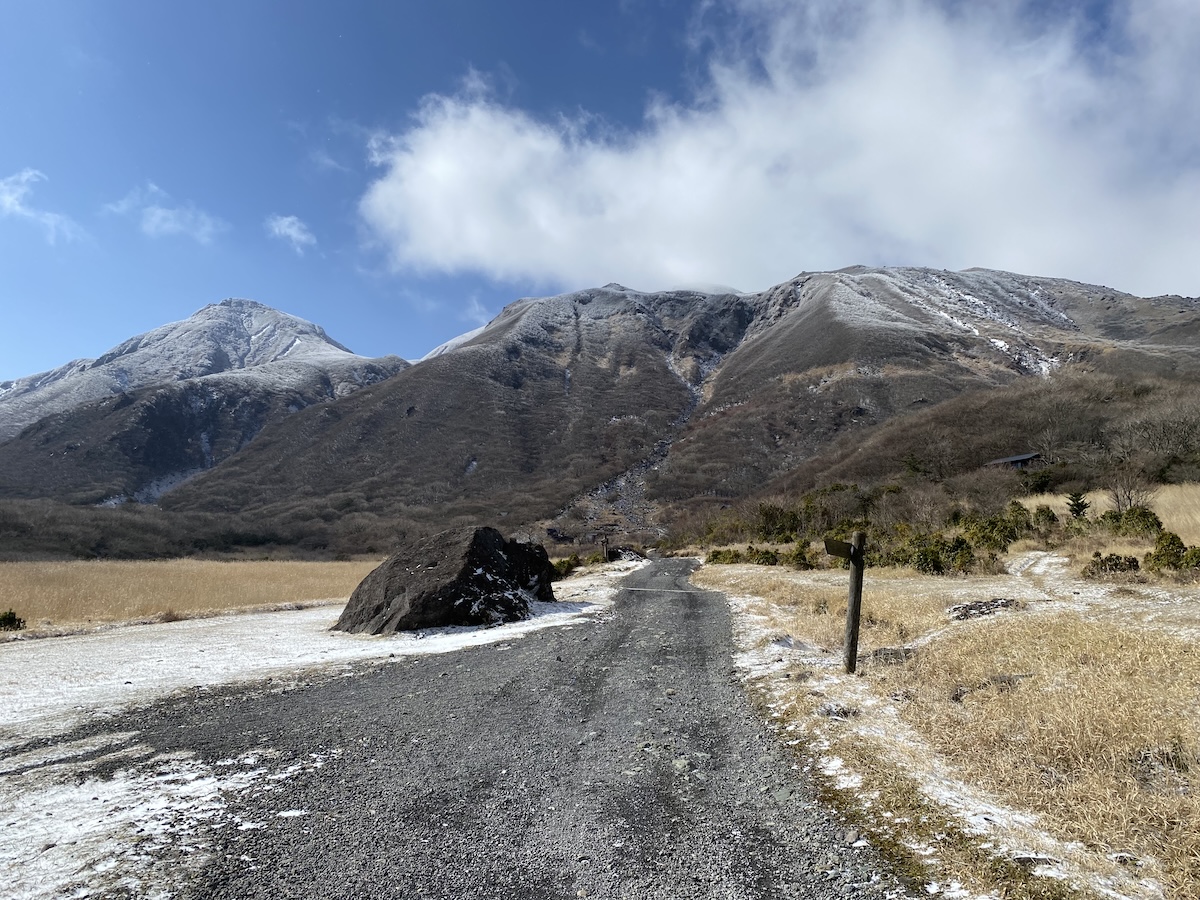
(453, 343)
(233, 336)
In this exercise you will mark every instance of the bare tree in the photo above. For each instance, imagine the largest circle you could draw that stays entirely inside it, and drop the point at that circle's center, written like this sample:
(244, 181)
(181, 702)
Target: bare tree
(1128, 488)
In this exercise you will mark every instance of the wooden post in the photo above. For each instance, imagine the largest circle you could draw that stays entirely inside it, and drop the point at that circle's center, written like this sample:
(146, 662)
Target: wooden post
(604, 548)
(858, 543)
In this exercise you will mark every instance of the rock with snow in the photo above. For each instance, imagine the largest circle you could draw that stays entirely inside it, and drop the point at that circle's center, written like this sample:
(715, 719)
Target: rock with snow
(464, 576)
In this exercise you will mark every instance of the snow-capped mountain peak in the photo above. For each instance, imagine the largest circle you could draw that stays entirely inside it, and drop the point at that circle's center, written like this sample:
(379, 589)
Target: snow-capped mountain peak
(235, 335)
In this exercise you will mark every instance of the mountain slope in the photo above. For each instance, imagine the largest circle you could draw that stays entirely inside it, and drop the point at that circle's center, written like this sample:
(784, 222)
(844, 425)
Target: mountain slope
(607, 406)
(170, 403)
(553, 396)
(602, 410)
(835, 352)
(228, 336)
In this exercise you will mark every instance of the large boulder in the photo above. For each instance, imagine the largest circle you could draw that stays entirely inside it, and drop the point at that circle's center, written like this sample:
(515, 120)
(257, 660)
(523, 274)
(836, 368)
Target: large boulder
(464, 576)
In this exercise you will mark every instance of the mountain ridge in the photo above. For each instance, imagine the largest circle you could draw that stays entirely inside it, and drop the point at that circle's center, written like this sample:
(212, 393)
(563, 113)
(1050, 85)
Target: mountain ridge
(165, 405)
(232, 335)
(740, 387)
(606, 409)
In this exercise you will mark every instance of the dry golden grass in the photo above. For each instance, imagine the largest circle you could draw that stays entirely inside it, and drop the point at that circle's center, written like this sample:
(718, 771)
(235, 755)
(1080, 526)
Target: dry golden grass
(812, 606)
(1088, 717)
(1092, 725)
(80, 592)
(1080, 549)
(1178, 505)
(803, 610)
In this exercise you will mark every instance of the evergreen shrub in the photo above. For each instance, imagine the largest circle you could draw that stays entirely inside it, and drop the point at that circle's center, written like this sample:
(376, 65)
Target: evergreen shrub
(1112, 564)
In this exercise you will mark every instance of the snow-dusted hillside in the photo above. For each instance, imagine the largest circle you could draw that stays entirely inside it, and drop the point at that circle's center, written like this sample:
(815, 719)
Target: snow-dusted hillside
(241, 336)
(671, 396)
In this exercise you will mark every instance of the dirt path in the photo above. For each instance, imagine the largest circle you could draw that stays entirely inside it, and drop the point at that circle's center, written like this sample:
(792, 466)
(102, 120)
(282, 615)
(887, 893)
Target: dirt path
(614, 759)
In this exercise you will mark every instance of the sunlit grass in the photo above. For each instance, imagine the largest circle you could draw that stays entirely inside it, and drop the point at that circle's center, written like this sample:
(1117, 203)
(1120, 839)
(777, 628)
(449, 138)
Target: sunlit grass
(1091, 725)
(1178, 505)
(83, 592)
(1087, 718)
(812, 605)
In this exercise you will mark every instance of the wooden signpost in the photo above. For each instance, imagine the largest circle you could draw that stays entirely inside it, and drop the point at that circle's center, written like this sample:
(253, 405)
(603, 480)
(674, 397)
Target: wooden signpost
(852, 551)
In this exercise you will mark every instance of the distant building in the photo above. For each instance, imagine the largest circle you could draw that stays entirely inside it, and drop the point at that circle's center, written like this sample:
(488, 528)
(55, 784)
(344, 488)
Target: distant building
(1020, 461)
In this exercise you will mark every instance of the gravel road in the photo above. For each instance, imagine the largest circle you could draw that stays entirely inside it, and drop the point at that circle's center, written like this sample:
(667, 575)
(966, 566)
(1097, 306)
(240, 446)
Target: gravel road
(612, 759)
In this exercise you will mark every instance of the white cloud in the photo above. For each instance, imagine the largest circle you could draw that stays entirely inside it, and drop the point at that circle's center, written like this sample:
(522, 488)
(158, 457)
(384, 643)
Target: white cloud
(475, 312)
(323, 161)
(14, 195)
(830, 133)
(157, 219)
(292, 230)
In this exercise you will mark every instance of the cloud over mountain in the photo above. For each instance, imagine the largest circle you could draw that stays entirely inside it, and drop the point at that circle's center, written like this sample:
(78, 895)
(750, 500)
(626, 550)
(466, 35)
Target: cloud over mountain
(953, 135)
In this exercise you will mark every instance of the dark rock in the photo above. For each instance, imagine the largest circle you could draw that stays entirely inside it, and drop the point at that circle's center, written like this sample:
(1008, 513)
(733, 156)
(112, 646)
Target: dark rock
(978, 608)
(837, 711)
(627, 554)
(464, 576)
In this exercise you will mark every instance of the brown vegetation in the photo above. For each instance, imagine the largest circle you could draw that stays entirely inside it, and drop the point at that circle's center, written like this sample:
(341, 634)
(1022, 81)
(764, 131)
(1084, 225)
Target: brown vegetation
(70, 593)
(1084, 424)
(1084, 716)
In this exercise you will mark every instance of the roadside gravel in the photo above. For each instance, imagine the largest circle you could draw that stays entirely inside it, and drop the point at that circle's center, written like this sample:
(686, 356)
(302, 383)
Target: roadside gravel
(612, 759)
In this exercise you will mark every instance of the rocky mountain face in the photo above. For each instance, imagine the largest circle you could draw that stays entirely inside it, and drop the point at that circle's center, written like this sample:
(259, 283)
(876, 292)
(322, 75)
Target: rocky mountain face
(830, 353)
(601, 409)
(169, 403)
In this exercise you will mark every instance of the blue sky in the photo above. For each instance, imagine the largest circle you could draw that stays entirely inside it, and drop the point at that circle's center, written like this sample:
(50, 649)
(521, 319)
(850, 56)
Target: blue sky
(398, 171)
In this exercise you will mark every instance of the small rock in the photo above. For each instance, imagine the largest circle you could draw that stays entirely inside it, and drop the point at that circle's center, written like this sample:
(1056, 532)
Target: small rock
(1032, 861)
(837, 711)
(964, 611)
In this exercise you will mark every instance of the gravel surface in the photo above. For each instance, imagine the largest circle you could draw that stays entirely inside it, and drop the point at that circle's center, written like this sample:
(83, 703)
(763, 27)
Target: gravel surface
(612, 759)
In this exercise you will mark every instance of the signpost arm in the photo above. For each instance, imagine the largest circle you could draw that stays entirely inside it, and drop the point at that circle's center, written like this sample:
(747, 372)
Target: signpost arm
(858, 545)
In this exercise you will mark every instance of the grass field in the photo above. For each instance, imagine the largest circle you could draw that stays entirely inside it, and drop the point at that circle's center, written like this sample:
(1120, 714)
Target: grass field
(1178, 505)
(1066, 727)
(64, 594)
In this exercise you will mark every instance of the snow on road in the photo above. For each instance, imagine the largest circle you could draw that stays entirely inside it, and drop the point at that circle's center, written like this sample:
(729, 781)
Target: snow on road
(68, 831)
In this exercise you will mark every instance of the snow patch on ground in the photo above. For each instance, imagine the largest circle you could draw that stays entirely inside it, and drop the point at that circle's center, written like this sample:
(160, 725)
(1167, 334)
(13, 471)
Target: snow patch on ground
(73, 830)
(95, 817)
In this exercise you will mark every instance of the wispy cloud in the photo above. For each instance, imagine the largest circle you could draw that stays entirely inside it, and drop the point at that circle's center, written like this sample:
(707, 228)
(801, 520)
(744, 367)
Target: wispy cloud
(475, 312)
(1044, 140)
(292, 230)
(158, 216)
(323, 161)
(14, 202)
